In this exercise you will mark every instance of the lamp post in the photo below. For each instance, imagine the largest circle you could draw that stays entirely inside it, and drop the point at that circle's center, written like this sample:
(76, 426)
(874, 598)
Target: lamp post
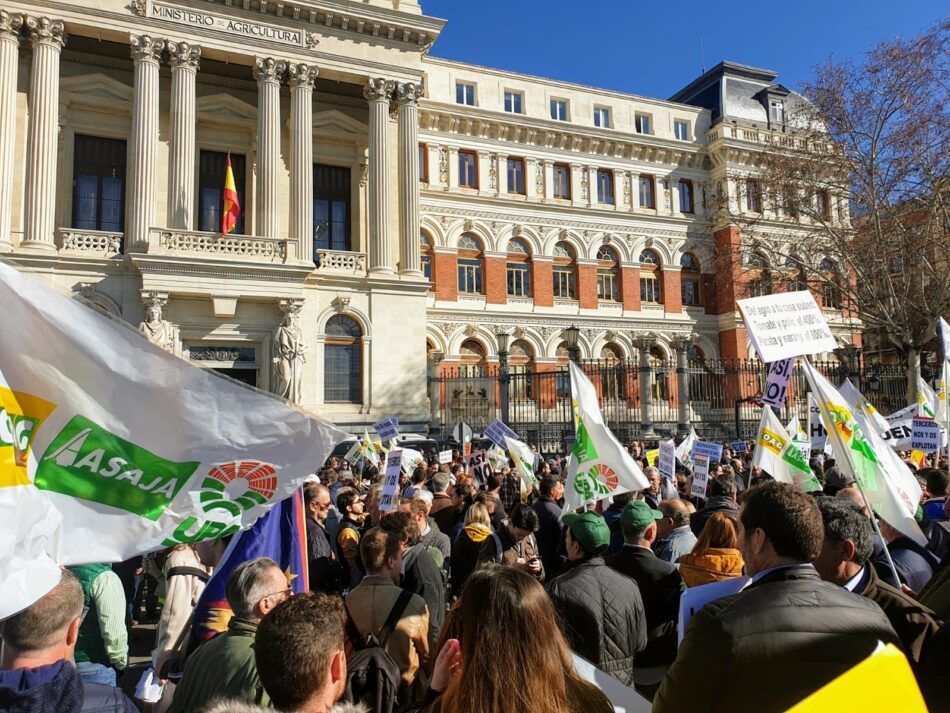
(571, 335)
(504, 377)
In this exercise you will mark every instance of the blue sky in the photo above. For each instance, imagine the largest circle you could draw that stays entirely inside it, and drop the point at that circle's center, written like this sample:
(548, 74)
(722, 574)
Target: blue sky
(652, 48)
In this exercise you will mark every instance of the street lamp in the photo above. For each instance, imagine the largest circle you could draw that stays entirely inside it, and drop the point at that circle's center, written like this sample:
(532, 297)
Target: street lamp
(504, 378)
(571, 335)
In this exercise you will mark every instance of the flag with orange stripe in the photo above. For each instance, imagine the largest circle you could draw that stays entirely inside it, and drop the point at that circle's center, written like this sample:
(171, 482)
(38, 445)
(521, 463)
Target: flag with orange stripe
(232, 206)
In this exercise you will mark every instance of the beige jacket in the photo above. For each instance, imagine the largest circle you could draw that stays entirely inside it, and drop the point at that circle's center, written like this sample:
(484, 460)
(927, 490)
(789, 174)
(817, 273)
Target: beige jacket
(369, 604)
(181, 595)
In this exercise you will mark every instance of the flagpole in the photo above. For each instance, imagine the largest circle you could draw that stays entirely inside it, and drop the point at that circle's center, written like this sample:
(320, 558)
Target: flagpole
(876, 529)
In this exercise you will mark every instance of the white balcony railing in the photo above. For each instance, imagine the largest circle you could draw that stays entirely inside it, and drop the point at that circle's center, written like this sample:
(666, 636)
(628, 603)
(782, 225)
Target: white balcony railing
(340, 262)
(98, 243)
(175, 242)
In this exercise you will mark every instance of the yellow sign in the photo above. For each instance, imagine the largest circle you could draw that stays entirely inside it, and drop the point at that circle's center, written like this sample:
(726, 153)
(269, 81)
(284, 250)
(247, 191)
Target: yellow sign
(652, 456)
(21, 416)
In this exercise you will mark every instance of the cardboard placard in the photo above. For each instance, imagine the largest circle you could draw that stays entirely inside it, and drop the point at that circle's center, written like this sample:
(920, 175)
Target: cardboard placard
(776, 383)
(497, 431)
(712, 451)
(387, 428)
(478, 466)
(786, 324)
(387, 499)
(445, 457)
(666, 461)
(700, 476)
(925, 436)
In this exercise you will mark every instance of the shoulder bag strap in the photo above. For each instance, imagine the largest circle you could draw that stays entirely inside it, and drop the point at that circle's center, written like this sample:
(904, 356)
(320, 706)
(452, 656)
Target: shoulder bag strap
(394, 615)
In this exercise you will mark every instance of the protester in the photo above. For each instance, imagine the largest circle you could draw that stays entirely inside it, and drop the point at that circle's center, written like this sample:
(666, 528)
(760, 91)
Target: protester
(843, 560)
(224, 666)
(612, 518)
(524, 666)
(788, 633)
(103, 644)
(721, 497)
(915, 564)
(185, 579)
(419, 477)
(323, 566)
(518, 546)
(476, 543)
(674, 536)
(937, 482)
(550, 490)
(659, 582)
(432, 539)
(442, 503)
(350, 506)
(36, 670)
(715, 556)
(602, 610)
(369, 605)
(510, 491)
(652, 493)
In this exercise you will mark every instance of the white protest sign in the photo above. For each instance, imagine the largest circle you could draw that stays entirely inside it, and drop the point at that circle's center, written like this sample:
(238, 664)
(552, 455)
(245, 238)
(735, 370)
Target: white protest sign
(776, 384)
(700, 476)
(816, 429)
(712, 451)
(478, 466)
(497, 431)
(387, 428)
(900, 428)
(925, 436)
(786, 324)
(387, 499)
(666, 461)
(445, 457)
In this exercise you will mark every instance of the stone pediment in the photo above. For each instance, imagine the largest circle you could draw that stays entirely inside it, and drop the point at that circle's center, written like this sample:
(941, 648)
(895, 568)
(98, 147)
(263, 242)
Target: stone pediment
(225, 108)
(335, 123)
(95, 88)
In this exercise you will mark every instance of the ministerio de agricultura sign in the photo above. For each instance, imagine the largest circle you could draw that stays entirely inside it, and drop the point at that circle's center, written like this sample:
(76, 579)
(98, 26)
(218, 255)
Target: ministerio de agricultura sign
(232, 25)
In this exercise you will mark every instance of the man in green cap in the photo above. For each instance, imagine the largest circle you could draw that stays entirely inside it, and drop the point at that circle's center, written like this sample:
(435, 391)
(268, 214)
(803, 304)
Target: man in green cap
(660, 582)
(601, 608)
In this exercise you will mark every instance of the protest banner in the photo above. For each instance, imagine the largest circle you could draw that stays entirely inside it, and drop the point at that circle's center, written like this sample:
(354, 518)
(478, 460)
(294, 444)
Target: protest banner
(778, 455)
(497, 432)
(93, 476)
(445, 457)
(524, 459)
(925, 435)
(900, 428)
(387, 428)
(739, 446)
(713, 451)
(684, 451)
(666, 461)
(478, 466)
(700, 476)
(390, 492)
(776, 383)
(786, 324)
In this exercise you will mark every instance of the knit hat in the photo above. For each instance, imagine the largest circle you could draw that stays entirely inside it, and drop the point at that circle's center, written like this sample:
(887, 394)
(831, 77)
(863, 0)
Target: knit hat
(589, 529)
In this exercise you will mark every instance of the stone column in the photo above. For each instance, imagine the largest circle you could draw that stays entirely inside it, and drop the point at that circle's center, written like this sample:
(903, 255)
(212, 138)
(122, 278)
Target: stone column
(302, 76)
(407, 101)
(268, 73)
(9, 53)
(643, 343)
(377, 93)
(181, 171)
(48, 37)
(681, 345)
(143, 146)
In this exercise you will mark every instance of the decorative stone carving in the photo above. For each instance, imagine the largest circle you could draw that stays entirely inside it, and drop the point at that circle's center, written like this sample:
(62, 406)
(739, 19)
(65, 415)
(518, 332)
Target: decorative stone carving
(158, 331)
(379, 89)
(626, 190)
(341, 303)
(643, 341)
(136, 7)
(146, 48)
(492, 171)
(312, 39)
(443, 165)
(10, 24)
(92, 241)
(183, 54)
(289, 352)
(301, 74)
(236, 246)
(364, 174)
(471, 330)
(44, 31)
(268, 69)
(407, 93)
(539, 178)
(448, 328)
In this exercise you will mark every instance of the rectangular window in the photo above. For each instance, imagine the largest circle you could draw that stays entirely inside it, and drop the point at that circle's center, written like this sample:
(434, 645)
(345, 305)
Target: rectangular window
(559, 109)
(681, 130)
(99, 183)
(563, 282)
(602, 117)
(423, 163)
(212, 166)
(341, 368)
(642, 123)
(647, 192)
(605, 186)
(562, 181)
(468, 169)
(331, 208)
(519, 279)
(426, 262)
(690, 292)
(823, 204)
(516, 176)
(753, 196)
(649, 288)
(514, 101)
(465, 93)
(777, 111)
(470, 276)
(685, 189)
(607, 285)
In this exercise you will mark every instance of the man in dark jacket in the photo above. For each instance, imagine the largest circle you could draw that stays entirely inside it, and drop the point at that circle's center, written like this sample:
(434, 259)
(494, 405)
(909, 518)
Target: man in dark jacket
(443, 509)
(601, 609)
(550, 490)
(324, 568)
(844, 561)
(36, 672)
(721, 497)
(659, 582)
(788, 633)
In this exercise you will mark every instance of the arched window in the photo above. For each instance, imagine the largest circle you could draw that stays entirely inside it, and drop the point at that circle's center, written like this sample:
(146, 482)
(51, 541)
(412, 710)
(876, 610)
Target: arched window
(612, 374)
(760, 283)
(608, 275)
(472, 358)
(342, 361)
(690, 280)
(520, 368)
(470, 265)
(563, 380)
(564, 275)
(518, 268)
(830, 281)
(797, 281)
(650, 278)
(425, 251)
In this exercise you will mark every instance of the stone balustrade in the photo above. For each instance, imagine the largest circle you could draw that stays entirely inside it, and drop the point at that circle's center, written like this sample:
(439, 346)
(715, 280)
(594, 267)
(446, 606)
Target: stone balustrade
(341, 262)
(95, 242)
(242, 247)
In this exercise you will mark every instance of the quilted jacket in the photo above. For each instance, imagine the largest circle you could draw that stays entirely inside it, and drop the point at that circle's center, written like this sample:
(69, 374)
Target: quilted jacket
(603, 615)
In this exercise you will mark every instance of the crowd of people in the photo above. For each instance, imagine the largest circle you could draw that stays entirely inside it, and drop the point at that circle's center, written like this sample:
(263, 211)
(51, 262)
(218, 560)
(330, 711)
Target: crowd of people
(474, 596)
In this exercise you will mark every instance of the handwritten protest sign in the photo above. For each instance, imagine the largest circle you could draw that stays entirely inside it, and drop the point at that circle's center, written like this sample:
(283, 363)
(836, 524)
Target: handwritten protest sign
(925, 436)
(387, 499)
(700, 476)
(478, 466)
(776, 384)
(445, 457)
(786, 324)
(387, 428)
(666, 461)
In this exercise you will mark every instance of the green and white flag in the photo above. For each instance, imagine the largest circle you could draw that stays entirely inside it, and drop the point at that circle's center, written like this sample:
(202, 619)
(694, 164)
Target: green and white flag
(684, 451)
(926, 400)
(599, 466)
(857, 401)
(523, 458)
(780, 456)
(888, 484)
(110, 446)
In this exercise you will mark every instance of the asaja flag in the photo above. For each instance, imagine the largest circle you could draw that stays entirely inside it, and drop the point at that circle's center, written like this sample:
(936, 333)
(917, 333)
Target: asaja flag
(780, 456)
(231, 208)
(90, 475)
(860, 452)
(599, 466)
(523, 458)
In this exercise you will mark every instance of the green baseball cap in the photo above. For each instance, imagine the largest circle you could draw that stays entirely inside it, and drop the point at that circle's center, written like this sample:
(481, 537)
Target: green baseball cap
(637, 515)
(589, 529)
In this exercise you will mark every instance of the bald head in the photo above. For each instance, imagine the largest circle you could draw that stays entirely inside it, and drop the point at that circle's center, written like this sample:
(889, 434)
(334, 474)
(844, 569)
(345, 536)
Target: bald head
(676, 514)
(853, 496)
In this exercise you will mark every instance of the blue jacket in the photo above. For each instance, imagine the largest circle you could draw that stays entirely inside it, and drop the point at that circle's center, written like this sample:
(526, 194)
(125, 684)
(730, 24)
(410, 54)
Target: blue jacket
(57, 688)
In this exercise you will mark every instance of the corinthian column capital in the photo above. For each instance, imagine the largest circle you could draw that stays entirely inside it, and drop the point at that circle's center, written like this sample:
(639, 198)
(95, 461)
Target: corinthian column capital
(10, 24)
(146, 48)
(44, 31)
(301, 74)
(643, 341)
(408, 93)
(268, 69)
(184, 54)
(379, 89)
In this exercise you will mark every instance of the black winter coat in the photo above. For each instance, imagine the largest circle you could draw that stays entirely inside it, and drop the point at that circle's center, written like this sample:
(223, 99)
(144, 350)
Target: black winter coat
(548, 534)
(603, 615)
(776, 642)
(717, 503)
(422, 576)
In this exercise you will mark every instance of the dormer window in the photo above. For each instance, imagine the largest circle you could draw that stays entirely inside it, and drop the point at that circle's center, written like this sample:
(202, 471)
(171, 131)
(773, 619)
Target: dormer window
(776, 111)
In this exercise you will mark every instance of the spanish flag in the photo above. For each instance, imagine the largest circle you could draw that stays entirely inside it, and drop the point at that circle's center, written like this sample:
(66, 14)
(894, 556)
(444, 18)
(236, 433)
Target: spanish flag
(232, 207)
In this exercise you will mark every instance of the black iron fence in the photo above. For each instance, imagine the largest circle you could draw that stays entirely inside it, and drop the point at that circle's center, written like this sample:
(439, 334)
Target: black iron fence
(718, 398)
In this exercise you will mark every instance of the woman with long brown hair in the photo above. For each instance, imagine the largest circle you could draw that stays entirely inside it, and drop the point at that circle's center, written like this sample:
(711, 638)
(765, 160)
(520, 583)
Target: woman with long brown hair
(715, 555)
(502, 650)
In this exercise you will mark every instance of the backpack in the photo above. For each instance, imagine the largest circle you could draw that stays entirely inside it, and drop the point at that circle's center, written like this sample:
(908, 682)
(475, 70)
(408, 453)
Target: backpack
(372, 677)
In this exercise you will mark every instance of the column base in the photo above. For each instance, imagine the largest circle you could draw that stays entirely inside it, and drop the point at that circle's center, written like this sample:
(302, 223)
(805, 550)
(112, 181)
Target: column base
(382, 270)
(648, 431)
(6, 246)
(39, 246)
(411, 273)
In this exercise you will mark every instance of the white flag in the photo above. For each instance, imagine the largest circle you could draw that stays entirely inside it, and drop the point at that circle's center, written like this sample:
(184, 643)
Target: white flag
(120, 448)
(859, 452)
(857, 401)
(926, 400)
(599, 467)
(684, 451)
(943, 412)
(523, 458)
(777, 454)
